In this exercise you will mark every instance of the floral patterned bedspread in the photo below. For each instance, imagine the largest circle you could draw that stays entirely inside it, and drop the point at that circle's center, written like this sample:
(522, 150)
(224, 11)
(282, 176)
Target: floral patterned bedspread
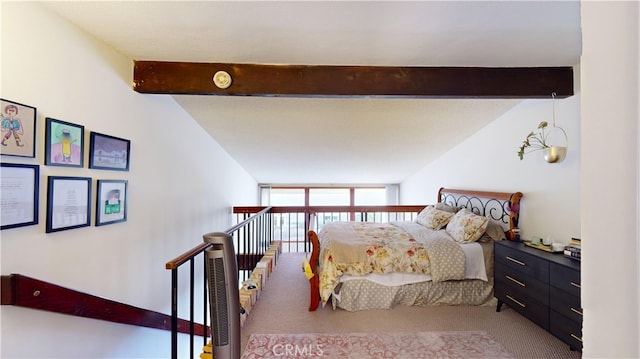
(359, 248)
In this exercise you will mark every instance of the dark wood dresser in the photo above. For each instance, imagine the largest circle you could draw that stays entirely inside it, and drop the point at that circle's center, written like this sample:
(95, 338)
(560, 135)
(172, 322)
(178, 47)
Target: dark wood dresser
(542, 286)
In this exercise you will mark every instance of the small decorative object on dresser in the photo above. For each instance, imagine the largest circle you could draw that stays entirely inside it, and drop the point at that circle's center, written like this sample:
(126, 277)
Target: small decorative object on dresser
(542, 286)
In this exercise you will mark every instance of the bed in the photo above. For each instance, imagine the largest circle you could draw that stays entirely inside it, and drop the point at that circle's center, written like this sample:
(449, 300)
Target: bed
(443, 257)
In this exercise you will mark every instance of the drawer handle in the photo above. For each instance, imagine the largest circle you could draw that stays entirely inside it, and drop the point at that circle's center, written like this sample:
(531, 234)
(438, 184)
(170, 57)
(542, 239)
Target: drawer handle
(575, 285)
(576, 337)
(516, 281)
(516, 301)
(575, 310)
(516, 261)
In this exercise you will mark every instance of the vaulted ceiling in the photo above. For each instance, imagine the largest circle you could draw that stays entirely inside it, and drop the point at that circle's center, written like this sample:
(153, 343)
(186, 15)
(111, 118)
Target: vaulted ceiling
(337, 140)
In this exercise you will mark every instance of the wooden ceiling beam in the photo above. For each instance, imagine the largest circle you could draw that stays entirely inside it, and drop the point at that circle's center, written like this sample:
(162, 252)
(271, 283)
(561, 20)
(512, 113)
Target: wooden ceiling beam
(187, 78)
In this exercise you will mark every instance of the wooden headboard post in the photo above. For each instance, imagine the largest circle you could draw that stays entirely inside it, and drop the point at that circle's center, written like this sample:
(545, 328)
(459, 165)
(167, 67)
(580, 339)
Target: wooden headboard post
(514, 209)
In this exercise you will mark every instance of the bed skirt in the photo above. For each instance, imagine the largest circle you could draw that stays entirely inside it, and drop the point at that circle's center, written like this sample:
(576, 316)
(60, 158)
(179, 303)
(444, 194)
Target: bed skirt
(360, 294)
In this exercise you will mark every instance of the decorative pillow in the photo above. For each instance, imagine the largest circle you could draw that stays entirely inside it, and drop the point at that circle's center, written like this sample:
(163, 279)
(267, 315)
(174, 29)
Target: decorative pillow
(433, 218)
(466, 226)
(445, 207)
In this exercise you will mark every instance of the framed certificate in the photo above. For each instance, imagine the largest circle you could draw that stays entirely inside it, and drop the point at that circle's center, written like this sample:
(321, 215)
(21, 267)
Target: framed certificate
(19, 193)
(68, 203)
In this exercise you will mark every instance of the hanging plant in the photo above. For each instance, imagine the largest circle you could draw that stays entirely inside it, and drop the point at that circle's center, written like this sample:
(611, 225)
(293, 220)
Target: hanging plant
(539, 140)
(535, 140)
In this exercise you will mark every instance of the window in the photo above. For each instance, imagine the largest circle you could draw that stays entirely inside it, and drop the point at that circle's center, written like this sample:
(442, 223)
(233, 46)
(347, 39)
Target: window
(327, 196)
(370, 196)
(291, 226)
(286, 197)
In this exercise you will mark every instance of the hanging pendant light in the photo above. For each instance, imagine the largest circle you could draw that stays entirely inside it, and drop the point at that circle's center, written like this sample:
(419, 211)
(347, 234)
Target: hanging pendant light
(556, 140)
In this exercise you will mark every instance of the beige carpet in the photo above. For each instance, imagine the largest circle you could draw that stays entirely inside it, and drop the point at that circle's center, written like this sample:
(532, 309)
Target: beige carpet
(282, 308)
(416, 345)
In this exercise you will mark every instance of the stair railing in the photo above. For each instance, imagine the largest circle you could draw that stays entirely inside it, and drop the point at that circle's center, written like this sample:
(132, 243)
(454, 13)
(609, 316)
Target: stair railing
(258, 228)
(251, 238)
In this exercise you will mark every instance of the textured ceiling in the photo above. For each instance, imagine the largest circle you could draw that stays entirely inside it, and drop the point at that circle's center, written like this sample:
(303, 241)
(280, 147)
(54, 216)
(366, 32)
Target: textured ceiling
(352, 140)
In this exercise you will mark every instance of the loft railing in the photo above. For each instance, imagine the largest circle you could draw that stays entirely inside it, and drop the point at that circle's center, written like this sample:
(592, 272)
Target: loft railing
(291, 223)
(257, 228)
(251, 238)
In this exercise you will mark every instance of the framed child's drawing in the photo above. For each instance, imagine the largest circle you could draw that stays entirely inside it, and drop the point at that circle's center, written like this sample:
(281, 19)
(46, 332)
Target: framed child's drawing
(18, 129)
(108, 152)
(111, 205)
(64, 144)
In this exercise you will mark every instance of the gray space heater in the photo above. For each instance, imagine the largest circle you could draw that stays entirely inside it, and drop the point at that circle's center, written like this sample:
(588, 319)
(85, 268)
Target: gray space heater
(224, 296)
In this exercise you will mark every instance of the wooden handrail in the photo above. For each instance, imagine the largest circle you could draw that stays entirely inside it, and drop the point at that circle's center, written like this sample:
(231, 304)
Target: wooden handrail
(243, 259)
(316, 209)
(248, 220)
(191, 253)
(184, 257)
(23, 291)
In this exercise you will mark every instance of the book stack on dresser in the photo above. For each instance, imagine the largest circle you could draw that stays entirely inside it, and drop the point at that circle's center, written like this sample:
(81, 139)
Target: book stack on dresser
(542, 286)
(573, 249)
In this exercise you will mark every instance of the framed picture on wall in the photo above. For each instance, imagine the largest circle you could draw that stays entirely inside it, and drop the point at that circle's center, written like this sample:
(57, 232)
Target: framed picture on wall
(68, 203)
(64, 144)
(108, 152)
(18, 129)
(111, 203)
(19, 193)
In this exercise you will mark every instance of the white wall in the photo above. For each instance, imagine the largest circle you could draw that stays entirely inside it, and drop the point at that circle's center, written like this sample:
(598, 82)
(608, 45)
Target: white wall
(610, 196)
(593, 194)
(488, 161)
(181, 185)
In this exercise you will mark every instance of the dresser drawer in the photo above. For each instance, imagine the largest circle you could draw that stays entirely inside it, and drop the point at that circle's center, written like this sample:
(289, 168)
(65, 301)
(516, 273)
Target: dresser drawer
(524, 304)
(522, 262)
(542, 286)
(522, 284)
(565, 304)
(567, 279)
(566, 329)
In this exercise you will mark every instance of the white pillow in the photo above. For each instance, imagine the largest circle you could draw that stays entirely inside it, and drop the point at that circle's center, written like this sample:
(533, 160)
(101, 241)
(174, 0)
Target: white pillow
(433, 218)
(466, 226)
